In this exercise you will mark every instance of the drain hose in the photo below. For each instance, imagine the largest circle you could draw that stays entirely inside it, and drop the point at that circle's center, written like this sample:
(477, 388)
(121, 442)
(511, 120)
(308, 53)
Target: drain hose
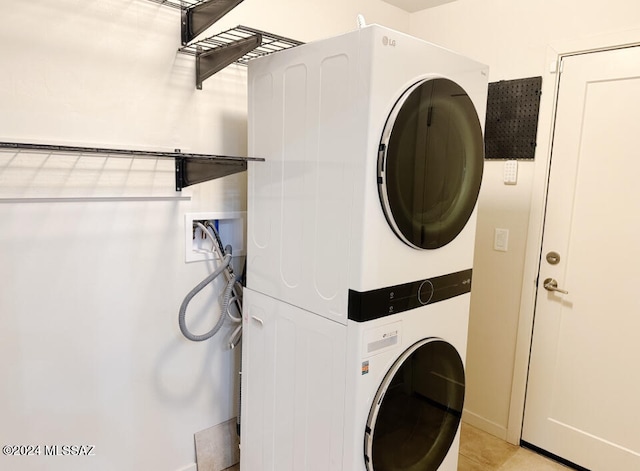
(225, 304)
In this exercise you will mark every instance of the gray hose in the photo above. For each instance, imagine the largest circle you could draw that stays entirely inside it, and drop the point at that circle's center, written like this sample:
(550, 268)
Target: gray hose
(225, 305)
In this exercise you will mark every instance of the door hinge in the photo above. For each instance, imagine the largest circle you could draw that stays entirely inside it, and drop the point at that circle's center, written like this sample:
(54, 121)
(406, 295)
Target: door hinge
(556, 66)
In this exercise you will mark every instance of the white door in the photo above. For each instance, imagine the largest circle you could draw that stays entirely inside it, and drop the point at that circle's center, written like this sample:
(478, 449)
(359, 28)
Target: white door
(583, 393)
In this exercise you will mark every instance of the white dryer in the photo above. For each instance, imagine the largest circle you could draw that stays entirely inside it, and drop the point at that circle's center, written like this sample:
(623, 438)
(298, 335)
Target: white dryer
(361, 227)
(381, 395)
(374, 155)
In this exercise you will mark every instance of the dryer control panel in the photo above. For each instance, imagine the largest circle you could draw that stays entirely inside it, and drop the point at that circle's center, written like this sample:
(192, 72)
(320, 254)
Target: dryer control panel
(369, 305)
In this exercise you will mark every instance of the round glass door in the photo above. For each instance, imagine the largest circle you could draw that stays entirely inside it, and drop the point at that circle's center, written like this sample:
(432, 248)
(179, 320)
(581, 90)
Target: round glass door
(417, 409)
(430, 163)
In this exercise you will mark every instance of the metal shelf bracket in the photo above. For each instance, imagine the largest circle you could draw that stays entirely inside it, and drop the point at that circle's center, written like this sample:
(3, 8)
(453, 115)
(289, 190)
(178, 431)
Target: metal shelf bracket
(197, 18)
(212, 61)
(190, 171)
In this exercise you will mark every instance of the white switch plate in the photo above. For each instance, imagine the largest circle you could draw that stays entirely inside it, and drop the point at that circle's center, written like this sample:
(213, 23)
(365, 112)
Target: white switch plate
(232, 227)
(501, 240)
(511, 172)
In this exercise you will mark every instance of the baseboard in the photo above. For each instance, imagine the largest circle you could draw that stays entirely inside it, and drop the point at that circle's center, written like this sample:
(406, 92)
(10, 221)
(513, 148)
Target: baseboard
(483, 424)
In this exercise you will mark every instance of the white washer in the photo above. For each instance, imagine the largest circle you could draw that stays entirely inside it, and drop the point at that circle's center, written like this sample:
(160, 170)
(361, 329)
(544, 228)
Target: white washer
(374, 152)
(361, 227)
(382, 395)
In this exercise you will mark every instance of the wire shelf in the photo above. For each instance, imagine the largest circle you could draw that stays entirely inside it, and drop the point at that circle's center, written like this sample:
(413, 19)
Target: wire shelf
(180, 4)
(270, 43)
(189, 168)
(58, 149)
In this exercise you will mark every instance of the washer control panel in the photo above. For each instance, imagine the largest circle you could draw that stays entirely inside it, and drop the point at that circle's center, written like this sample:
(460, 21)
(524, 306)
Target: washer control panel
(369, 305)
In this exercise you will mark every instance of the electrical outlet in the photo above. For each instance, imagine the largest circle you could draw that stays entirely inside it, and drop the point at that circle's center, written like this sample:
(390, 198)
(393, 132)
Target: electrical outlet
(231, 227)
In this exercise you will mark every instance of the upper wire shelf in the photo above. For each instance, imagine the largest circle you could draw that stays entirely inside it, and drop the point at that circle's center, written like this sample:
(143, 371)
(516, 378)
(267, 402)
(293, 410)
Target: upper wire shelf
(270, 43)
(180, 4)
(236, 45)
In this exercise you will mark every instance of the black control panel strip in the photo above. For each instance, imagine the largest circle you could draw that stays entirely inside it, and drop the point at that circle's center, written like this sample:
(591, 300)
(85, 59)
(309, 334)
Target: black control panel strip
(369, 305)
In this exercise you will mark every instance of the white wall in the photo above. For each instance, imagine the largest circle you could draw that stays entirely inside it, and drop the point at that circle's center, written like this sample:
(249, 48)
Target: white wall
(89, 288)
(515, 38)
(92, 270)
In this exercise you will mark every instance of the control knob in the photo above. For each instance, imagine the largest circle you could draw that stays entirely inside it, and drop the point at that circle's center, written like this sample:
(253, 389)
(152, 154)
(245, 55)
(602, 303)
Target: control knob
(425, 292)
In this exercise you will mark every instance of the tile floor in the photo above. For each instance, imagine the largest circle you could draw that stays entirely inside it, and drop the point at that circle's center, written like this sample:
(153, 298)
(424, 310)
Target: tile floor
(480, 451)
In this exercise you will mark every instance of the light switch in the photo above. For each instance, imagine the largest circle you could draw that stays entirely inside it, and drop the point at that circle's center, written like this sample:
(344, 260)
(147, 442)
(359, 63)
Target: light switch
(501, 240)
(511, 172)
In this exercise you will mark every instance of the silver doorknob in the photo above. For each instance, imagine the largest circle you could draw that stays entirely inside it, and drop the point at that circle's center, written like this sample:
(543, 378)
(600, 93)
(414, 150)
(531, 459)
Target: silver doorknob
(552, 285)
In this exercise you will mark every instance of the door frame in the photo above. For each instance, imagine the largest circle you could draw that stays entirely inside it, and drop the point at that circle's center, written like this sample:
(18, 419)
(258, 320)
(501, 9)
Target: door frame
(542, 167)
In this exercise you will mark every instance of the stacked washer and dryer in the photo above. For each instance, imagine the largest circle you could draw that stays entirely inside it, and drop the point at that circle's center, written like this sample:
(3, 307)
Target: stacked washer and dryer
(360, 247)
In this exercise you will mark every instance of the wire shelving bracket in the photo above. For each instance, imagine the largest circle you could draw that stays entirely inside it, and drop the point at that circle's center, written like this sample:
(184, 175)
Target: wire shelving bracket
(196, 19)
(198, 15)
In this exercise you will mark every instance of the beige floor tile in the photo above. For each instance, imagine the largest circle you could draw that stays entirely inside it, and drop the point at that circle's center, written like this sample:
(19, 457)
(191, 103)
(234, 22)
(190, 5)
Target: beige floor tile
(526, 460)
(484, 449)
(466, 464)
(480, 451)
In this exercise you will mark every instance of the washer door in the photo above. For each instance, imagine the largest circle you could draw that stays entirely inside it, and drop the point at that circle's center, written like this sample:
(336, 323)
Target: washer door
(430, 163)
(417, 409)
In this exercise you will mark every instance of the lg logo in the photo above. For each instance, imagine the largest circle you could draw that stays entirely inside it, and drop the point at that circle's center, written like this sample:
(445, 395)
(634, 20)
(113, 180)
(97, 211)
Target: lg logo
(388, 42)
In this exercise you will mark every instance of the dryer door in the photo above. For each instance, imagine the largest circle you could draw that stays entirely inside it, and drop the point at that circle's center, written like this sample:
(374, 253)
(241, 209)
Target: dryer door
(417, 409)
(430, 163)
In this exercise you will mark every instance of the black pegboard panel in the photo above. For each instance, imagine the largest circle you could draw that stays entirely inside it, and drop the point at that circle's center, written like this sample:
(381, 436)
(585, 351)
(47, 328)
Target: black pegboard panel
(513, 107)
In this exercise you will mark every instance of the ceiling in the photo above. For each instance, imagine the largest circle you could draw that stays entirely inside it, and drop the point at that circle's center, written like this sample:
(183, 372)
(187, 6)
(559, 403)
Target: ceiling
(417, 5)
